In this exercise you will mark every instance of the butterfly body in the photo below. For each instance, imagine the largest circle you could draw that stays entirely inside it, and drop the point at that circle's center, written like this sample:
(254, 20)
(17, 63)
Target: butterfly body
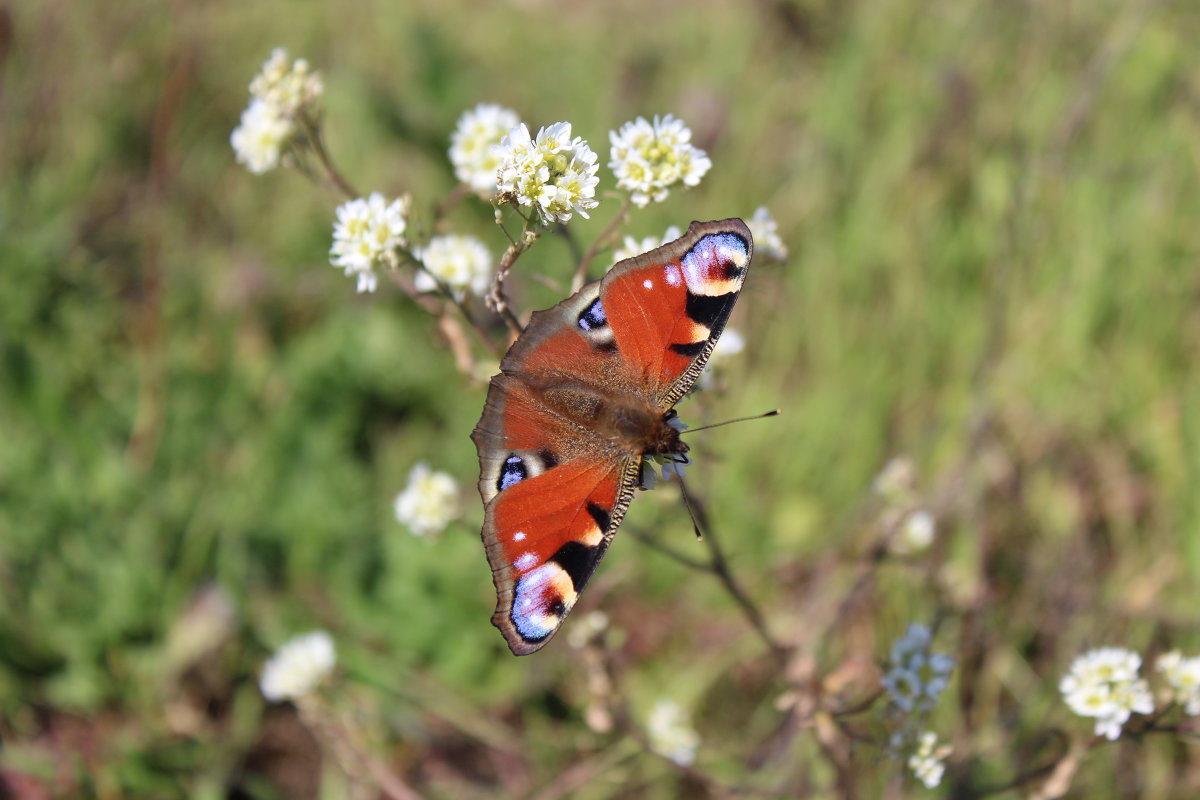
(583, 395)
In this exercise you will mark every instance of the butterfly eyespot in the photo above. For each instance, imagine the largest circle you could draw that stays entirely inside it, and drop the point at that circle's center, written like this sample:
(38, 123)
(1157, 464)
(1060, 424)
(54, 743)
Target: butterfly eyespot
(513, 472)
(540, 599)
(593, 323)
(593, 317)
(716, 265)
(526, 562)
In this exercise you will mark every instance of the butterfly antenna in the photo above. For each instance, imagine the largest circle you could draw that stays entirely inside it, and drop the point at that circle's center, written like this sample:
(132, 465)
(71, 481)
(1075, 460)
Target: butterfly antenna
(773, 413)
(687, 503)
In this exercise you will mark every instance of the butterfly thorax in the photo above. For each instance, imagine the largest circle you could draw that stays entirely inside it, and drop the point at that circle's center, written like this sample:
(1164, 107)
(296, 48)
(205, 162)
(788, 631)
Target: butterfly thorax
(645, 431)
(624, 419)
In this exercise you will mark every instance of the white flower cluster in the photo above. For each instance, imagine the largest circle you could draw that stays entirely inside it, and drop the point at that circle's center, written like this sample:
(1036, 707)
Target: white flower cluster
(1183, 676)
(474, 145)
(288, 87)
(429, 501)
(670, 733)
(916, 676)
(298, 667)
(365, 236)
(765, 231)
(649, 158)
(552, 173)
(277, 95)
(928, 762)
(461, 263)
(259, 140)
(1104, 684)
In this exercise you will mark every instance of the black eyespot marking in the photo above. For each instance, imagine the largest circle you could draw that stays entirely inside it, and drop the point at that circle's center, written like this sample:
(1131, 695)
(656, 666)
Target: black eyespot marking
(691, 349)
(593, 317)
(608, 347)
(513, 473)
(711, 311)
(600, 515)
(729, 241)
(558, 608)
(732, 270)
(578, 561)
(549, 461)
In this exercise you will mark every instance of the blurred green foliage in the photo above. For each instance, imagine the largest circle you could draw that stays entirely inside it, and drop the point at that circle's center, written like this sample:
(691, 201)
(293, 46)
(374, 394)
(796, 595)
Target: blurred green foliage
(995, 270)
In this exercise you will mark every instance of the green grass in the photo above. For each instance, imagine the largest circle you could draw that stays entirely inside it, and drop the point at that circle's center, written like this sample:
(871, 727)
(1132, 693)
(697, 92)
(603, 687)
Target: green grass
(991, 210)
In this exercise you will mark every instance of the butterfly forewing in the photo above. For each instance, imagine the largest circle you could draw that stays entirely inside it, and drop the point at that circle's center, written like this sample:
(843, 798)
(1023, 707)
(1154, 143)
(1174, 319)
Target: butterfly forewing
(555, 479)
(668, 307)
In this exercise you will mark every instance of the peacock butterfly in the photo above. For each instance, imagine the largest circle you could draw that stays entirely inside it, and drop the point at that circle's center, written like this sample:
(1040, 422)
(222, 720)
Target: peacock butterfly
(584, 393)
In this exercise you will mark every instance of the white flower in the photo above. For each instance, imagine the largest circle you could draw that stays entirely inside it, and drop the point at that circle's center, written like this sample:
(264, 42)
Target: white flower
(554, 174)
(1103, 684)
(298, 667)
(916, 532)
(649, 158)
(259, 140)
(462, 263)
(765, 231)
(1183, 676)
(586, 630)
(429, 501)
(474, 145)
(669, 464)
(365, 236)
(671, 734)
(916, 676)
(631, 247)
(928, 762)
(896, 480)
(286, 87)
(277, 94)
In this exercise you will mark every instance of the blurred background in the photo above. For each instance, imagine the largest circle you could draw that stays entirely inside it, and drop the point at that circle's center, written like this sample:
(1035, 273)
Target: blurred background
(993, 285)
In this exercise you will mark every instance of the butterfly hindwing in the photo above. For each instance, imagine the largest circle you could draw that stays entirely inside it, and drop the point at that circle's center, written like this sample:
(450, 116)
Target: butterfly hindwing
(553, 499)
(557, 472)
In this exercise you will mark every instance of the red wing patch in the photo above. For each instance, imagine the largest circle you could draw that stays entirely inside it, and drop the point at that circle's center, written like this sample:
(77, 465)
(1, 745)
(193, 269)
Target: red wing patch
(549, 535)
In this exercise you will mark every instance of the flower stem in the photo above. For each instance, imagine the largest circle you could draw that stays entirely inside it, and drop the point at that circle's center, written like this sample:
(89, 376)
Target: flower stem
(496, 299)
(601, 240)
(720, 568)
(312, 134)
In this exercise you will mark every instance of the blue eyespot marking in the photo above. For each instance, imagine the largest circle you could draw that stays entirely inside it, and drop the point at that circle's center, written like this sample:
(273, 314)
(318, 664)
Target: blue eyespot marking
(513, 472)
(537, 608)
(593, 317)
